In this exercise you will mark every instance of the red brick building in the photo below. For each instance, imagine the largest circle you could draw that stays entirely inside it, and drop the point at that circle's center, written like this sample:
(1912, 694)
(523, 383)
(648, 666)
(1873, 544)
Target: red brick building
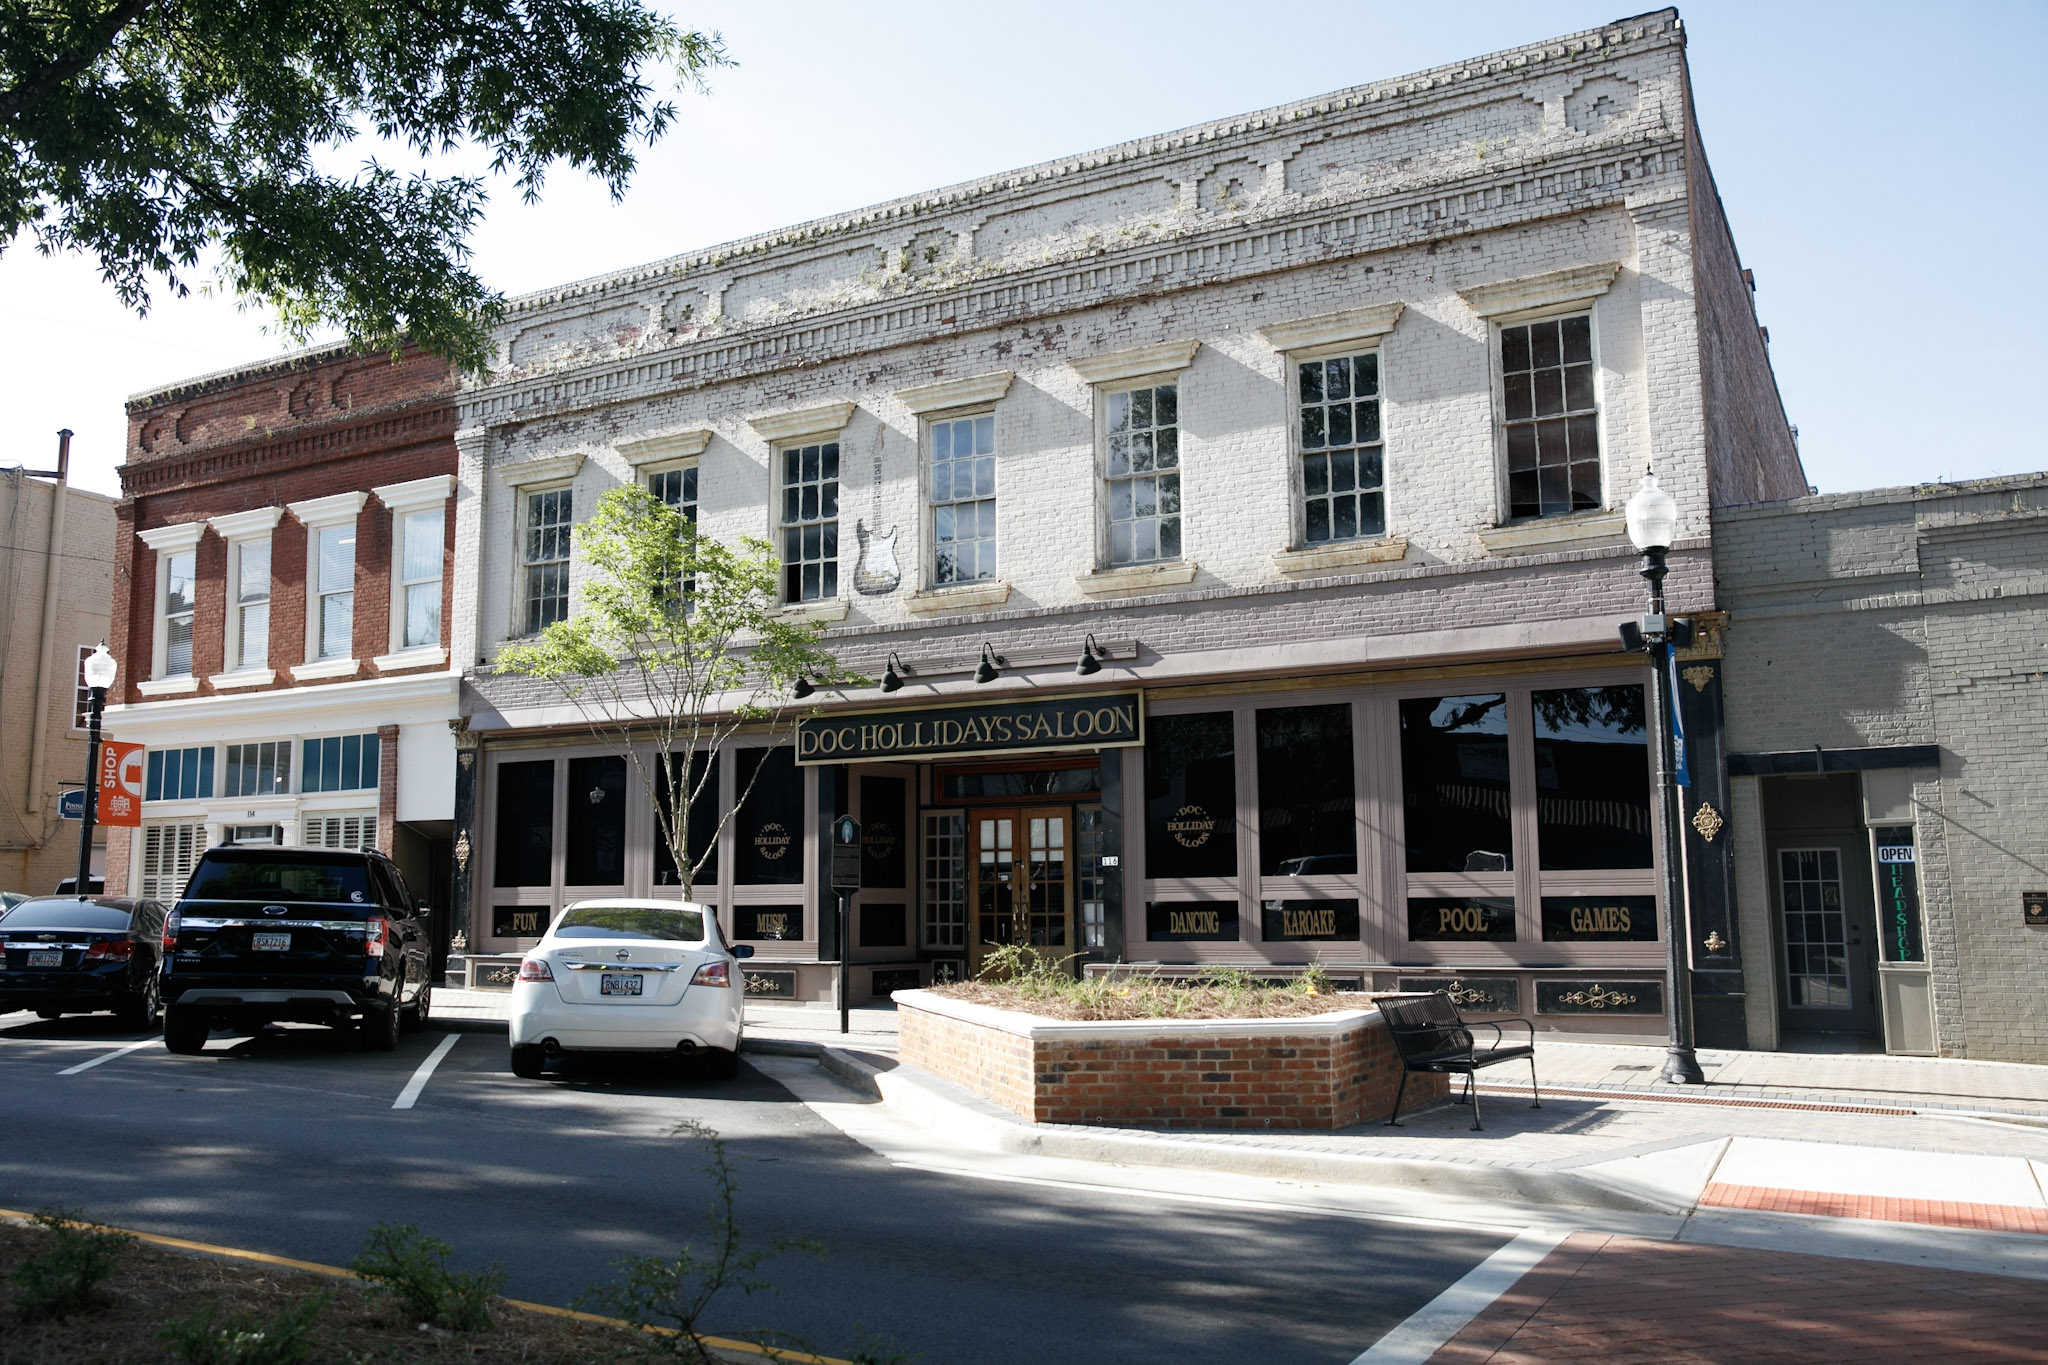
(281, 598)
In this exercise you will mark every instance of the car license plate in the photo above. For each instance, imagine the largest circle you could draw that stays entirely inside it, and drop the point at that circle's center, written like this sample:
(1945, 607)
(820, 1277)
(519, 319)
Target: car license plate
(618, 983)
(270, 943)
(46, 959)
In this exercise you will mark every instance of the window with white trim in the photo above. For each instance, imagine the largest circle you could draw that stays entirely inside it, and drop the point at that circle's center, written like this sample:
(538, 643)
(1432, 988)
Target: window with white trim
(81, 695)
(261, 769)
(355, 832)
(1343, 471)
(420, 538)
(945, 879)
(334, 586)
(963, 499)
(249, 602)
(339, 763)
(549, 515)
(1141, 467)
(178, 774)
(1551, 417)
(676, 488)
(169, 853)
(176, 607)
(810, 522)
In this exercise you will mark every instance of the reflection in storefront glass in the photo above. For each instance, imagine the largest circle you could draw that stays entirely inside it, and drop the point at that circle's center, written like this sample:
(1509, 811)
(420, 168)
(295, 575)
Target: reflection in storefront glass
(770, 841)
(1592, 778)
(596, 855)
(1307, 819)
(1191, 796)
(703, 827)
(1454, 783)
(525, 840)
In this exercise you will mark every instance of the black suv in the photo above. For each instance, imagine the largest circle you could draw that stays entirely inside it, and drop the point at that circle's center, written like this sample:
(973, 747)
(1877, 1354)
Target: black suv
(320, 936)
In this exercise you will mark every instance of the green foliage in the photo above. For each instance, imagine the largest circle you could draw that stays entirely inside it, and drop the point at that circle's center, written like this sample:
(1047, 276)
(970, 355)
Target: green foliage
(207, 1338)
(679, 639)
(1015, 976)
(413, 1270)
(666, 1298)
(66, 1278)
(157, 136)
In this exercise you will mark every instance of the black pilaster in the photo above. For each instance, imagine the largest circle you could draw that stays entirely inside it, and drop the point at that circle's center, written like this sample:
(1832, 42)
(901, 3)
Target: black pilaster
(1718, 991)
(1112, 855)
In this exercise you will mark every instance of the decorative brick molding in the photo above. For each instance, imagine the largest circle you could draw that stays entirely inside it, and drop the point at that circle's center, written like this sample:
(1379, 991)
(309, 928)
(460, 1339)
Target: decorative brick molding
(1319, 1071)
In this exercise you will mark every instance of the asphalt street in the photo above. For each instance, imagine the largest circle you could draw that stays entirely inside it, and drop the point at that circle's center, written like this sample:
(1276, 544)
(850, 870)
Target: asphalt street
(289, 1143)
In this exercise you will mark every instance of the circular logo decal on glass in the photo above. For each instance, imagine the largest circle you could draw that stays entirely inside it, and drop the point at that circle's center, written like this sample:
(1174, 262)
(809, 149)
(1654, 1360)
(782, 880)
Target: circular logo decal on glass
(771, 841)
(1191, 826)
(878, 839)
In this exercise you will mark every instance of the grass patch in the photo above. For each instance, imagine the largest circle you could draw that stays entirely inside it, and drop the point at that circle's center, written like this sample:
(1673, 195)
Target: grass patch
(1033, 982)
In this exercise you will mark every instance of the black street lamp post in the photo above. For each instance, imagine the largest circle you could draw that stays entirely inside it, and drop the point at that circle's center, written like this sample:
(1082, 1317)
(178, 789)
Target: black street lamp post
(1652, 526)
(99, 669)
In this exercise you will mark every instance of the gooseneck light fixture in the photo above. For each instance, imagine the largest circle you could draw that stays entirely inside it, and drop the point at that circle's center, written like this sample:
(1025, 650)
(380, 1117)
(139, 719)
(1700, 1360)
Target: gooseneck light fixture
(99, 669)
(1092, 655)
(990, 665)
(801, 688)
(1652, 526)
(893, 671)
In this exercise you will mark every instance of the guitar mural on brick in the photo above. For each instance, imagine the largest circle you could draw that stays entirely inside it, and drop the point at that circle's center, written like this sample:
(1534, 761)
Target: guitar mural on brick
(876, 574)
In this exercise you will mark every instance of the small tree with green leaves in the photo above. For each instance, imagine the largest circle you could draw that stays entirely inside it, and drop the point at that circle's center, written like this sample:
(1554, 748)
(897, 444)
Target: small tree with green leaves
(679, 643)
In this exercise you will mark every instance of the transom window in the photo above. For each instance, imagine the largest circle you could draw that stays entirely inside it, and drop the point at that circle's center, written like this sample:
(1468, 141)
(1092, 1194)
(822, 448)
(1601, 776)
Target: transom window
(964, 500)
(339, 763)
(1143, 472)
(335, 587)
(549, 515)
(178, 593)
(178, 774)
(252, 603)
(419, 572)
(1343, 477)
(810, 522)
(1552, 420)
(263, 769)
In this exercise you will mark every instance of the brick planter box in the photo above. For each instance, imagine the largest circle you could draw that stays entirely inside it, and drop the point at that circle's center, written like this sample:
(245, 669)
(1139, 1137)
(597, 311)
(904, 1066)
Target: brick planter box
(1316, 1071)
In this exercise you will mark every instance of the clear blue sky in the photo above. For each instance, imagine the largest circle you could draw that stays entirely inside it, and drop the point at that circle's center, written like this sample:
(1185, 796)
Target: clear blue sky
(1881, 166)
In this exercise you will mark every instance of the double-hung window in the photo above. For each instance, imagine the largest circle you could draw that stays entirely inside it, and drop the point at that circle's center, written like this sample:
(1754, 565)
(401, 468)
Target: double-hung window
(677, 489)
(550, 513)
(1551, 416)
(1343, 467)
(810, 521)
(179, 594)
(330, 579)
(419, 529)
(177, 563)
(963, 497)
(1142, 471)
(246, 642)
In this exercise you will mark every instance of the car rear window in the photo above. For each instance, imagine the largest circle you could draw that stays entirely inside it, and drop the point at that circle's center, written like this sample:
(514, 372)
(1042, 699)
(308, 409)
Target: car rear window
(66, 914)
(631, 921)
(254, 877)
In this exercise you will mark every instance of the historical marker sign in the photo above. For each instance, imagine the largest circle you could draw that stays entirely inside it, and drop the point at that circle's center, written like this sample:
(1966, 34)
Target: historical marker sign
(846, 854)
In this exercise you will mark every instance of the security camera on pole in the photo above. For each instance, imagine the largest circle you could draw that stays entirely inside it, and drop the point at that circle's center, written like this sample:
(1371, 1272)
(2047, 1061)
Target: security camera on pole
(1652, 526)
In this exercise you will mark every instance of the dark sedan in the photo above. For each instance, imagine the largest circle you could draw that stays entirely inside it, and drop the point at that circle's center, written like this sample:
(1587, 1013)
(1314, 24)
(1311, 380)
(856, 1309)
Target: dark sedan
(67, 955)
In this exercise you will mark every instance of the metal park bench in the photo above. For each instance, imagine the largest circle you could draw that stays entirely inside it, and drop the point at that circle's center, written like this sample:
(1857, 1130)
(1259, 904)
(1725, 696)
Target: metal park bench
(1434, 1039)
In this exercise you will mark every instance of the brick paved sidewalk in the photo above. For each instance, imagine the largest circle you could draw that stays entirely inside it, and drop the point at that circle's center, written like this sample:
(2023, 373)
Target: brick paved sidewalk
(1625, 1301)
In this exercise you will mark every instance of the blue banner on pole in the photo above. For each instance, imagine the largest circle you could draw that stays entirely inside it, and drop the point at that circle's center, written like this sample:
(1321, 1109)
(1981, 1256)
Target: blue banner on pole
(1680, 772)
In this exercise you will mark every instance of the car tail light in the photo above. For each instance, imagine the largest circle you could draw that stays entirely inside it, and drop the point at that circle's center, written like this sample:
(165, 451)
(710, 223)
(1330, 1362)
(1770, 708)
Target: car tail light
(376, 933)
(713, 974)
(109, 950)
(170, 931)
(535, 969)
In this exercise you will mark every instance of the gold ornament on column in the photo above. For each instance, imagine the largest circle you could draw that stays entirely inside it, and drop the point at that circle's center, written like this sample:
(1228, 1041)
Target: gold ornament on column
(1707, 821)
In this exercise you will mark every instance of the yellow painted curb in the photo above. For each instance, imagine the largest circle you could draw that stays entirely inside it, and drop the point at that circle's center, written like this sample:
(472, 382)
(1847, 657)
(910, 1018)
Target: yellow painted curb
(265, 1258)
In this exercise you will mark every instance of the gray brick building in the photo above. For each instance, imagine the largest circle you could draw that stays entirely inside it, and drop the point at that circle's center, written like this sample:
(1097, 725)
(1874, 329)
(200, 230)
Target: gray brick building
(1319, 420)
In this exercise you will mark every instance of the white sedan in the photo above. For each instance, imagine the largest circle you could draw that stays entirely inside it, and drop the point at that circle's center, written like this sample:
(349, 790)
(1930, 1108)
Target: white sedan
(619, 975)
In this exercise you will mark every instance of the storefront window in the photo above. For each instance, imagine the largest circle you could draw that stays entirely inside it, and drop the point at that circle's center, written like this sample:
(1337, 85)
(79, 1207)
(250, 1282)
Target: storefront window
(1307, 818)
(1191, 921)
(771, 823)
(1191, 796)
(1309, 921)
(1454, 783)
(596, 855)
(1592, 778)
(526, 824)
(703, 827)
(881, 833)
(1461, 919)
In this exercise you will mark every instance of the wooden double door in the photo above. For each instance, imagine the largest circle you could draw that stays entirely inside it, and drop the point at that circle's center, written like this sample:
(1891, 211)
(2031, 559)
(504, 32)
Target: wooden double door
(1021, 879)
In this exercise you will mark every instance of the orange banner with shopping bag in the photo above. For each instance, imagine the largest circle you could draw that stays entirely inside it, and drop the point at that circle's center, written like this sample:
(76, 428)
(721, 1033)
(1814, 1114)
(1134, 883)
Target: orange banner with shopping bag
(120, 784)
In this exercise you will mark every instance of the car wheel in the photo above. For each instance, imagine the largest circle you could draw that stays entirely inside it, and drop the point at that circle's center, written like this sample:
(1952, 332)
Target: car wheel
(528, 1061)
(145, 1011)
(380, 1026)
(422, 1005)
(185, 1030)
(721, 1065)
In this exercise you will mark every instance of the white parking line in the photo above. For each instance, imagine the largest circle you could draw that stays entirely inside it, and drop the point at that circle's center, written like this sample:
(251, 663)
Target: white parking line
(108, 1057)
(411, 1094)
(1437, 1321)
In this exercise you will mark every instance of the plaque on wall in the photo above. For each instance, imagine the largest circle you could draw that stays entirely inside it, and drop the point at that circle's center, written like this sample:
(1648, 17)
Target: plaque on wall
(1191, 921)
(1599, 997)
(1599, 919)
(884, 926)
(890, 979)
(2034, 905)
(1461, 919)
(519, 921)
(1472, 994)
(492, 976)
(767, 923)
(1309, 921)
(769, 985)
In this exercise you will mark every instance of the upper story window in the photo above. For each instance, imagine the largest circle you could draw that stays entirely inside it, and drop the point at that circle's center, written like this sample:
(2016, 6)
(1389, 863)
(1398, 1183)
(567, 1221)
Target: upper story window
(249, 572)
(178, 597)
(810, 522)
(676, 488)
(1141, 429)
(1551, 417)
(550, 513)
(81, 695)
(263, 769)
(178, 774)
(963, 494)
(420, 536)
(334, 588)
(1343, 471)
(338, 763)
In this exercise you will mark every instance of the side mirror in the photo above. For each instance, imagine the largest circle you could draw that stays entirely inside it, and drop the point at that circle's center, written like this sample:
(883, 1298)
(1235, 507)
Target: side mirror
(742, 950)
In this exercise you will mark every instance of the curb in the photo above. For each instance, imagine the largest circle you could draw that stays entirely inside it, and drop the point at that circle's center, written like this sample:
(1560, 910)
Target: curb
(919, 1097)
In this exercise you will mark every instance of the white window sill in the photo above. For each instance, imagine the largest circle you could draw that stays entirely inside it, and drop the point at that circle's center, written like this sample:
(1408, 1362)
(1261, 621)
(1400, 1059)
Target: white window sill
(429, 656)
(168, 687)
(1136, 578)
(1555, 533)
(326, 668)
(825, 609)
(1340, 555)
(957, 597)
(243, 677)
